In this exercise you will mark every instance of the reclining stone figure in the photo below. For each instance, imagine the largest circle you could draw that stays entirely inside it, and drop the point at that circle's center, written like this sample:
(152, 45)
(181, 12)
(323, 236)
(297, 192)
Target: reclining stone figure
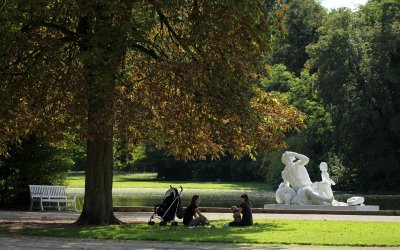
(297, 187)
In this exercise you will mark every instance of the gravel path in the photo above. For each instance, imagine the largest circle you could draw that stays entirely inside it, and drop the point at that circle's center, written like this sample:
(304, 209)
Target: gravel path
(24, 242)
(64, 243)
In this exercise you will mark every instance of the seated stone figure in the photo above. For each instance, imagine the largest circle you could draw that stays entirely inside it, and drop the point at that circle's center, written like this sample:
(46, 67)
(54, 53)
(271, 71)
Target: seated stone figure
(297, 187)
(325, 184)
(324, 173)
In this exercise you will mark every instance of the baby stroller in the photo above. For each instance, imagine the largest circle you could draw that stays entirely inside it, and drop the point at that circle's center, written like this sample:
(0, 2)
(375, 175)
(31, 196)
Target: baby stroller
(169, 208)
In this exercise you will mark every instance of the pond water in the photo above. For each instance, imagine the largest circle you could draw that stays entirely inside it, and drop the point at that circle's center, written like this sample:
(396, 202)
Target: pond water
(224, 198)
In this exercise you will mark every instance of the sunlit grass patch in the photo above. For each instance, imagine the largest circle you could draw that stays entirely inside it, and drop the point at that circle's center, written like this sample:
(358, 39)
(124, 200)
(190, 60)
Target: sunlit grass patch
(265, 232)
(76, 179)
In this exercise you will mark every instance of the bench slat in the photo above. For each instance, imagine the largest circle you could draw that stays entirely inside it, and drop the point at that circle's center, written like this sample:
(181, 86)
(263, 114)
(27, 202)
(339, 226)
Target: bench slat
(50, 194)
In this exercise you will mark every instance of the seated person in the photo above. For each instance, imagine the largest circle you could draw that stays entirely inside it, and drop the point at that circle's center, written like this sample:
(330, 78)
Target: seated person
(245, 210)
(192, 215)
(236, 214)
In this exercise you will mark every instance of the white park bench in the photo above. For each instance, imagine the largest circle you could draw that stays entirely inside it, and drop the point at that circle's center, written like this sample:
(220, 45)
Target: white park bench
(50, 195)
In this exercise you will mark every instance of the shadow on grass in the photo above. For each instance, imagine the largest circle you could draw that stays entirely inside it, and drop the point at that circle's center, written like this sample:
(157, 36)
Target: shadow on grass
(176, 235)
(266, 233)
(281, 232)
(140, 231)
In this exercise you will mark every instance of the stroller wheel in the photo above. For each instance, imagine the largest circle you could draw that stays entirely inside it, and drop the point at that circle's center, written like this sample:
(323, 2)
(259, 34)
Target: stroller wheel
(151, 223)
(174, 223)
(163, 223)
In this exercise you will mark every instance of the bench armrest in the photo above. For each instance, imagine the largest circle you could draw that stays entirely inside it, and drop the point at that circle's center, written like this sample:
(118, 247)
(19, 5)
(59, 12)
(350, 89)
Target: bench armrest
(74, 195)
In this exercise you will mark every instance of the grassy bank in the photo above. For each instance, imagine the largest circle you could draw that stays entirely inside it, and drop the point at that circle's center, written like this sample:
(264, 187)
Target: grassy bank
(76, 179)
(266, 232)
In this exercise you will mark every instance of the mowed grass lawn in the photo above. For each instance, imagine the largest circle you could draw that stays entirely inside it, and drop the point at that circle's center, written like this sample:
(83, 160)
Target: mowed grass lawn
(265, 232)
(76, 179)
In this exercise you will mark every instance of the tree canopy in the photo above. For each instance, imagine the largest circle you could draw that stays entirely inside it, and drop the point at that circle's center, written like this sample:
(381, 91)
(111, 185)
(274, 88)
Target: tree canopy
(192, 71)
(341, 68)
(357, 56)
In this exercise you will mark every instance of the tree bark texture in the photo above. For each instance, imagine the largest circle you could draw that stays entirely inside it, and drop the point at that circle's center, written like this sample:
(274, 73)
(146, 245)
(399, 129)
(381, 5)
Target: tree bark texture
(98, 207)
(102, 50)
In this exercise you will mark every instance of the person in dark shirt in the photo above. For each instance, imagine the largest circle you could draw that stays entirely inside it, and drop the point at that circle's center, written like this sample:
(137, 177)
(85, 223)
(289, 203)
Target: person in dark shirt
(247, 214)
(192, 215)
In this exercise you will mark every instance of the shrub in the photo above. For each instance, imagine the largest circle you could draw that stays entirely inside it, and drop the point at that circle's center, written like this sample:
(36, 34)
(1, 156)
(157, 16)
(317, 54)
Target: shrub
(33, 161)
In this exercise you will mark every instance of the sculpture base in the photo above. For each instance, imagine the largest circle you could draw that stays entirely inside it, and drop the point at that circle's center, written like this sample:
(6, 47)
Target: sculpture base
(322, 207)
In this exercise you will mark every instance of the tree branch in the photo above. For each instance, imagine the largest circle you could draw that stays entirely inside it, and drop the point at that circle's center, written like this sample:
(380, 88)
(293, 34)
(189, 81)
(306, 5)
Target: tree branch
(53, 26)
(174, 36)
(149, 52)
(165, 21)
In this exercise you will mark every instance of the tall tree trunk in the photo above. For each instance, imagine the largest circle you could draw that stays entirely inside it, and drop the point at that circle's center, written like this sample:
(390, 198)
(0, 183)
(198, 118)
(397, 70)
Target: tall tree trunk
(102, 47)
(98, 207)
(101, 77)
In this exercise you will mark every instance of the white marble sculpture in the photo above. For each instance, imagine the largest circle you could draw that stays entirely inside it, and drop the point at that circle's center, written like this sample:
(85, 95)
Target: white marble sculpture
(326, 179)
(297, 187)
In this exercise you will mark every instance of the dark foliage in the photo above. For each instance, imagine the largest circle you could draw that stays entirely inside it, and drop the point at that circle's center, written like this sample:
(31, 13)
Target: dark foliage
(31, 162)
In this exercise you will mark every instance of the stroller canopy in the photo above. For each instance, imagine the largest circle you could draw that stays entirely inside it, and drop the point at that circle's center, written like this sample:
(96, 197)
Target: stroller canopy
(172, 191)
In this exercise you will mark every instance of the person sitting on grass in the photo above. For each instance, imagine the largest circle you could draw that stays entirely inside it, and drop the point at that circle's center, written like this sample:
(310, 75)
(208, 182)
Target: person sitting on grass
(192, 216)
(245, 210)
(236, 214)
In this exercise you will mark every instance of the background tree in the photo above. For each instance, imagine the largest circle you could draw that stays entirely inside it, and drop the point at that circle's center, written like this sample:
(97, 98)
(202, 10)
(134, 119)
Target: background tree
(300, 23)
(313, 140)
(338, 57)
(180, 75)
(374, 146)
(357, 61)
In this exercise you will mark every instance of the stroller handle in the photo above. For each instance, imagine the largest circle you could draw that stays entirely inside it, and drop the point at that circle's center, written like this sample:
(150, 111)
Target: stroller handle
(179, 186)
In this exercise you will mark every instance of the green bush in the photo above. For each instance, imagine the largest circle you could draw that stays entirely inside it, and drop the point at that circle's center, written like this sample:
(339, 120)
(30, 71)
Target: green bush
(33, 161)
(142, 158)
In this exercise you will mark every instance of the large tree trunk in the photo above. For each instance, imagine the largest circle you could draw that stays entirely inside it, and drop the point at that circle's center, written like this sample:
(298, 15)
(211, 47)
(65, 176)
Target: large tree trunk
(101, 78)
(102, 47)
(98, 207)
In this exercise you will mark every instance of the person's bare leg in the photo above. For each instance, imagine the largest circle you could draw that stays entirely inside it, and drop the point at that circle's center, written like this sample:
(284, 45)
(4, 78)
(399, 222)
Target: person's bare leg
(195, 222)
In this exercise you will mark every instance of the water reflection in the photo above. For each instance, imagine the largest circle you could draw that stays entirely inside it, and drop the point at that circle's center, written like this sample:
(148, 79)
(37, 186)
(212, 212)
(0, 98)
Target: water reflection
(224, 198)
(210, 198)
